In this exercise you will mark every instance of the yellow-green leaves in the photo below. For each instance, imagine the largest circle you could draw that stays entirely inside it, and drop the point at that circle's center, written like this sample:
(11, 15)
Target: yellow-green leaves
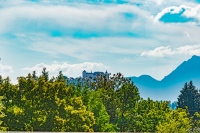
(75, 118)
(176, 121)
(2, 115)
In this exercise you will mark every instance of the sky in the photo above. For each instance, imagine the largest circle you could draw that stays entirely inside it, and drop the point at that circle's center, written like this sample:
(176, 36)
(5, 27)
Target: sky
(134, 37)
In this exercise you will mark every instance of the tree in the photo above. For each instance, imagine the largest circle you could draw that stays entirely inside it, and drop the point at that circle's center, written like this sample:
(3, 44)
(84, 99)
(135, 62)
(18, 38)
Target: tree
(176, 121)
(196, 122)
(147, 114)
(60, 77)
(102, 119)
(189, 98)
(34, 76)
(14, 119)
(75, 118)
(127, 96)
(45, 74)
(109, 87)
(2, 115)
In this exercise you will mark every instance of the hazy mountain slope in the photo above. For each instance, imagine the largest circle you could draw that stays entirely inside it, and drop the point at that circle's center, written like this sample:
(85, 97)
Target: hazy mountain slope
(169, 87)
(187, 70)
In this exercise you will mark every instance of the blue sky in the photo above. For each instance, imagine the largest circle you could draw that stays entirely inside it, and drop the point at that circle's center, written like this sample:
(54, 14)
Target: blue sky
(133, 37)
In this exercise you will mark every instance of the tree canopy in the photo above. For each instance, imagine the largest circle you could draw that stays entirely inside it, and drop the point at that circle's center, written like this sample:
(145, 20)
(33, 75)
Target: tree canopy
(41, 103)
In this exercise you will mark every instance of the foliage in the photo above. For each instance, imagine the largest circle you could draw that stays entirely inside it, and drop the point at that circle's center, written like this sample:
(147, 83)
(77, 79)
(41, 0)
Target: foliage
(127, 97)
(196, 122)
(176, 121)
(75, 118)
(102, 118)
(2, 115)
(40, 103)
(148, 114)
(119, 95)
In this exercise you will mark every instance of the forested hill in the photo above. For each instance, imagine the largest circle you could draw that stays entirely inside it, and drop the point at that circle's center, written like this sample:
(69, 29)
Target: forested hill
(169, 87)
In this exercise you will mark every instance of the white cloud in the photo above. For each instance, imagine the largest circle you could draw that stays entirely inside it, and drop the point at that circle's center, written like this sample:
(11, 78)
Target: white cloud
(66, 18)
(158, 52)
(188, 12)
(67, 69)
(5, 70)
(193, 12)
(171, 10)
(168, 51)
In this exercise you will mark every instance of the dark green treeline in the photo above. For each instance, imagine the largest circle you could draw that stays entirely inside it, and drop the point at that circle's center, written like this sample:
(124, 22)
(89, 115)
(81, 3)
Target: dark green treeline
(106, 105)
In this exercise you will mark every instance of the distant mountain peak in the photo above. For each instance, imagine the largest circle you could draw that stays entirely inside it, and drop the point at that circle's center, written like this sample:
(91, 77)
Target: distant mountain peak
(171, 84)
(187, 70)
(195, 56)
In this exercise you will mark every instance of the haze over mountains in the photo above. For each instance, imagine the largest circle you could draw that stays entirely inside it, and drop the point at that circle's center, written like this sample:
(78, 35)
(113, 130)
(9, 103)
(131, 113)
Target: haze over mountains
(169, 87)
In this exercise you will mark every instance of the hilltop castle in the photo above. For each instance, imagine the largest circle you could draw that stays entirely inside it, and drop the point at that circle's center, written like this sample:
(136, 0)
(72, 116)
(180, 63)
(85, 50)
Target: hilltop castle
(86, 76)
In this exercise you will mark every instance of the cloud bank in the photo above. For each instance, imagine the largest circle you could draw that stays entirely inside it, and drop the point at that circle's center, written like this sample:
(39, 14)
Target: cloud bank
(168, 51)
(76, 20)
(71, 70)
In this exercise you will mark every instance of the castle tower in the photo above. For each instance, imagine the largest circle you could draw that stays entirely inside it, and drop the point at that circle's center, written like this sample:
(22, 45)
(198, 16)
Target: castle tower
(84, 74)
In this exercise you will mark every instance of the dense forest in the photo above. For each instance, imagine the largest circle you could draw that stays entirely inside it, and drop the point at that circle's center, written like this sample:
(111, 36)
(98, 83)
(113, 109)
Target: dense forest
(40, 103)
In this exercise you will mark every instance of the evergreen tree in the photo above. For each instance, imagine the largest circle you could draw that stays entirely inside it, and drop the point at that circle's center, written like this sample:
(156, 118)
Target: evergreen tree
(45, 74)
(60, 77)
(34, 76)
(189, 98)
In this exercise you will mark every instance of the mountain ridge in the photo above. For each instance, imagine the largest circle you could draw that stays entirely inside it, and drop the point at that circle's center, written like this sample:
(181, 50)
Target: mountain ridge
(169, 87)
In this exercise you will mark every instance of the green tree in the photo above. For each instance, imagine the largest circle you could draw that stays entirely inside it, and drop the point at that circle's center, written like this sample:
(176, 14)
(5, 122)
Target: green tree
(102, 119)
(14, 119)
(119, 95)
(196, 122)
(177, 121)
(11, 101)
(147, 114)
(109, 87)
(127, 96)
(189, 98)
(75, 118)
(34, 76)
(45, 74)
(60, 77)
(2, 116)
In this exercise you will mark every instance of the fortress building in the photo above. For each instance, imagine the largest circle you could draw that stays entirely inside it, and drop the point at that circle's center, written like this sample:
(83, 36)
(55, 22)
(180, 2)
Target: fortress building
(86, 76)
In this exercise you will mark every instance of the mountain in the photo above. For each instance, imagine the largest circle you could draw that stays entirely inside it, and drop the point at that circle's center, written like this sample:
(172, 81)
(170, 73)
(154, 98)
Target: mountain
(169, 87)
